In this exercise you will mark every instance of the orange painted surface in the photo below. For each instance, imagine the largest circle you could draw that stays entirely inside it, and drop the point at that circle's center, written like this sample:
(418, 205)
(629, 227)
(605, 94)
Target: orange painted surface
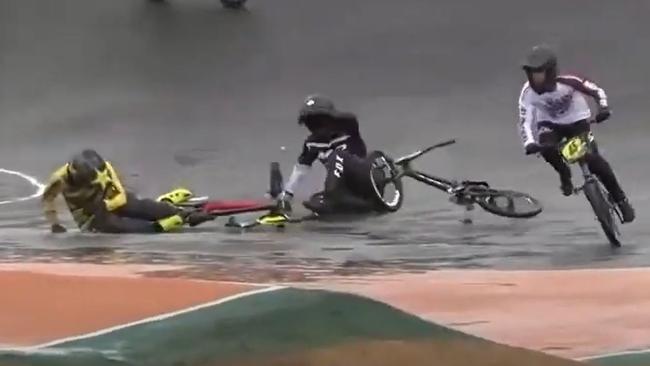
(89, 269)
(567, 313)
(37, 307)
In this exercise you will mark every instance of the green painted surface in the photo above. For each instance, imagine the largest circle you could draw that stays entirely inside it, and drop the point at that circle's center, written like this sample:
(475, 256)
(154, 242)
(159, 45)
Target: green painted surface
(637, 359)
(279, 321)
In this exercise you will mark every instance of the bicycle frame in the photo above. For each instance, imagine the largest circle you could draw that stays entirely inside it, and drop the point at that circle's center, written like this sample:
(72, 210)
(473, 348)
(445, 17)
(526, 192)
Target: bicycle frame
(589, 177)
(430, 180)
(586, 172)
(464, 193)
(403, 166)
(575, 151)
(581, 154)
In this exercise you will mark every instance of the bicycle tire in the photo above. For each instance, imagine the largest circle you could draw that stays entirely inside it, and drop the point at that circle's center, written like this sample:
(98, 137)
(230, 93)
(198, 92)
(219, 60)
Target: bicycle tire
(603, 211)
(385, 205)
(485, 197)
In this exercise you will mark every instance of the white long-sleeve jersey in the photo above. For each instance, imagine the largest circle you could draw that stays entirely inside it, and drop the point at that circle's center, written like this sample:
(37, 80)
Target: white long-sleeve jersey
(565, 105)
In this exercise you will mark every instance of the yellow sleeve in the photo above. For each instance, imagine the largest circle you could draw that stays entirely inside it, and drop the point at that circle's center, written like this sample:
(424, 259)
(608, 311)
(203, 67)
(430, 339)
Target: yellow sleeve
(52, 190)
(117, 198)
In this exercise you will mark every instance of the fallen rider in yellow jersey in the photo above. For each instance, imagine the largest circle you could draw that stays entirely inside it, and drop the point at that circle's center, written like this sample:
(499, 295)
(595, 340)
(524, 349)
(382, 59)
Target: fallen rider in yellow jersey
(98, 201)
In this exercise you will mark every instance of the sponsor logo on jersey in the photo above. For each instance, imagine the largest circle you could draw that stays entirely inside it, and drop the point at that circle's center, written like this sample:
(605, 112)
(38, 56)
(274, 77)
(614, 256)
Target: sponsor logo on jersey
(556, 107)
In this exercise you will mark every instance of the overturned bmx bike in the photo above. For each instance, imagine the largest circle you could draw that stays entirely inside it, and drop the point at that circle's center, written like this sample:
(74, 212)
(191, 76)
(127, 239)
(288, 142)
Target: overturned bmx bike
(386, 172)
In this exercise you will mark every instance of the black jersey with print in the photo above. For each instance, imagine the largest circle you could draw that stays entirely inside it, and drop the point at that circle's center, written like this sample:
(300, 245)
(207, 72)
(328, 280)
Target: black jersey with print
(346, 138)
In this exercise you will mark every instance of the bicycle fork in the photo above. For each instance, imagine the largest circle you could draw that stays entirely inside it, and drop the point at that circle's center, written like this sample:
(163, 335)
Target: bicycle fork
(589, 177)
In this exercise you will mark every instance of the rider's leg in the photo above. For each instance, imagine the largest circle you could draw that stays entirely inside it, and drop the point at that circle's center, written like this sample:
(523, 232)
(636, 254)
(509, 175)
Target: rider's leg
(603, 170)
(548, 138)
(316, 203)
(146, 209)
(150, 210)
(109, 222)
(344, 186)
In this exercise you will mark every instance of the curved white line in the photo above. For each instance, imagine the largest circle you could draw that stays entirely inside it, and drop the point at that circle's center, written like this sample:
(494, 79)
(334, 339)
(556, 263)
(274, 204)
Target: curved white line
(35, 349)
(40, 188)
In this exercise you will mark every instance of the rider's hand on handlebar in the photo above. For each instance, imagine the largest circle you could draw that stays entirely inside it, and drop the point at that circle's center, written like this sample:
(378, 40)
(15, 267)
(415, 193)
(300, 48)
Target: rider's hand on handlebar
(603, 114)
(532, 148)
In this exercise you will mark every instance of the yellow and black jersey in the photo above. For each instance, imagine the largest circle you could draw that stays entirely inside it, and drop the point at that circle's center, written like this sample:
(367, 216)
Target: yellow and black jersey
(105, 186)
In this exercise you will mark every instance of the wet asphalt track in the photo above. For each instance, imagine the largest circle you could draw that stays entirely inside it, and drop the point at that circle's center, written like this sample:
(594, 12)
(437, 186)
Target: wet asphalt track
(189, 93)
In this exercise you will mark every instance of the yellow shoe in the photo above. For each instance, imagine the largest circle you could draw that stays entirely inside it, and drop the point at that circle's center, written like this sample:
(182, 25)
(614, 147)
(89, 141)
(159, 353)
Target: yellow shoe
(176, 196)
(171, 223)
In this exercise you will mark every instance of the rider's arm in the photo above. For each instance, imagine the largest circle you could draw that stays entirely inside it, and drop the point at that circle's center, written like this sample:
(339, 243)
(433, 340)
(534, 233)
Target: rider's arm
(297, 176)
(302, 167)
(526, 116)
(52, 190)
(587, 87)
(118, 196)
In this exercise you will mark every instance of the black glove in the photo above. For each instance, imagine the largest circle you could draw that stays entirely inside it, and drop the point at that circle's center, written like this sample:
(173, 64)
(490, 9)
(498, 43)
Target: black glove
(58, 229)
(603, 114)
(197, 218)
(533, 148)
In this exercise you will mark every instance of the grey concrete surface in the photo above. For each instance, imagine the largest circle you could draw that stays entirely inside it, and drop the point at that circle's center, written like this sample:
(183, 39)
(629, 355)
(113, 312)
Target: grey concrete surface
(189, 93)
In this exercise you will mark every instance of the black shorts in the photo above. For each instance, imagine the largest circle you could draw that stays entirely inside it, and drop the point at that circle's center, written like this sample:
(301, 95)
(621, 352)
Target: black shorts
(348, 186)
(550, 134)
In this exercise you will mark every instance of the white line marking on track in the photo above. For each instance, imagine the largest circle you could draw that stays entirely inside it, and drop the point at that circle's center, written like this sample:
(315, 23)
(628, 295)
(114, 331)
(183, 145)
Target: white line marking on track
(40, 188)
(615, 354)
(56, 342)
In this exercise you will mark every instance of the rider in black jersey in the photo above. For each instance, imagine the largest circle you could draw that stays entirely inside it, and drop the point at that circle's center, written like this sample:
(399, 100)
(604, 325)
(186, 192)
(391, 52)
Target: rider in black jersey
(336, 142)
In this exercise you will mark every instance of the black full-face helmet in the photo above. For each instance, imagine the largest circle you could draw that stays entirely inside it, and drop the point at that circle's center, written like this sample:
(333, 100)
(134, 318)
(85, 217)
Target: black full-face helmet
(84, 166)
(317, 112)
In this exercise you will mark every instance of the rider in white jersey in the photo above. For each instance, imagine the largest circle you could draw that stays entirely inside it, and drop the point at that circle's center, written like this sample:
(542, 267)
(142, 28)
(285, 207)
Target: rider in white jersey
(553, 107)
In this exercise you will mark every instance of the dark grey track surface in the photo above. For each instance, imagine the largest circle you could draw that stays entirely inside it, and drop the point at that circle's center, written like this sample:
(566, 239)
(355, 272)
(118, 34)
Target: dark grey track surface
(190, 93)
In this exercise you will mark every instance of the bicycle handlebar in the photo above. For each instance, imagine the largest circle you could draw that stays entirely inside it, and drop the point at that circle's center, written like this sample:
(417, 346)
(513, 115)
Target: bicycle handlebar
(414, 155)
